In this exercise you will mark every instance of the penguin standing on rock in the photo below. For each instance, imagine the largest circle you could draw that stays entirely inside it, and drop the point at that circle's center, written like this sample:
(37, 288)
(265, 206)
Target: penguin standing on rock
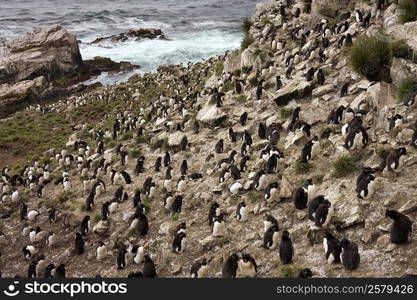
(85, 225)
(332, 248)
(395, 159)
(259, 89)
(218, 226)
(320, 211)
(286, 250)
(178, 244)
(350, 254)
(242, 212)
(230, 266)
(300, 198)
(121, 257)
(366, 187)
(401, 229)
(271, 237)
(199, 269)
(148, 268)
(271, 191)
(78, 244)
(247, 266)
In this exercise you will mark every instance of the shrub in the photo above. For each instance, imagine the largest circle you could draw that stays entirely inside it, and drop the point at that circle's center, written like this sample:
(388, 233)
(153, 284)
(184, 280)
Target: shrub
(227, 87)
(246, 25)
(318, 178)
(400, 49)
(237, 72)
(302, 168)
(253, 196)
(241, 99)
(371, 57)
(218, 68)
(285, 112)
(253, 81)
(246, 42)
(408, 10)
(134, 153)
(246, 69)
(140, 139)
(289, 271)
(406, 85)
(269, 85)
(345, 166)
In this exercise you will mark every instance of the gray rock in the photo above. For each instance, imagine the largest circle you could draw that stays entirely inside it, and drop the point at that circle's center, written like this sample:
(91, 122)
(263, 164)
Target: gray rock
(295, 89)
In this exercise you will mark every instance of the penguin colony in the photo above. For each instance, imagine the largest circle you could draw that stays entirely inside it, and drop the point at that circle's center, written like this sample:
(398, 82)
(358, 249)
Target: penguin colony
(94, 204)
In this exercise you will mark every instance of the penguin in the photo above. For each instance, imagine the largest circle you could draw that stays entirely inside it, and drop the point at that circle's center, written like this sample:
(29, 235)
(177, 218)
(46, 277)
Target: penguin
(232, 135)
(271, 191)
(332, 248)
(242, 212)
(349, 257)
(178, 243)
(89, 201)
(157, 165)
(60, 271)
(259, 89)
(219, 146)
(310, 74)
(214, 211)
(358, 16)
(121, 257)
(238, 87)
(414, 138)
(139, 165)
(50, 241)
(367, 19)
(300, 198)
(366, 187)
(52, 215)
(218, 229)
(126, 177)
(149, 268)
(33, 214)
(247, 266)
(40, 266)
(78, 244)
(286, 250)
(235, 172)
(138, 274)
(310, 188)
(401, 229)
(176, 205)
(356, 138)
(271, 237)
(199, 269)
(270, 221)
(309, 149)
(278, 83)
(143, 225)
(184, 168)
(182, 184)
(306, 273)
(101, 251)
(48, 271)
(136, 198)
(85, 225)
(32, 269)
(262, 130)
(29, 252)
(320, 77)
(167, 159)
(395, 121)
(23, 211)
(230, 267)
(395, 158)
(320, 211)
(243, 119)
(271, 166)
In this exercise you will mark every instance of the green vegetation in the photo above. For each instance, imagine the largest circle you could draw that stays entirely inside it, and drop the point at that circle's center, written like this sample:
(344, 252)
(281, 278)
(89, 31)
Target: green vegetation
(253, 196)
(302, 168)
(160, 144)
(246, 42)
(285, 112)
(406, 85)
(175, 217)
(253, 81)
(289, 271)
(318, 178)
(241, 99)
(134, 154)
(246, 25)
(237, 72)
(371, 57)
(228, 86)
(218, 68)
(400, 49)
(345, 165)
(408, 9)
(269, 85)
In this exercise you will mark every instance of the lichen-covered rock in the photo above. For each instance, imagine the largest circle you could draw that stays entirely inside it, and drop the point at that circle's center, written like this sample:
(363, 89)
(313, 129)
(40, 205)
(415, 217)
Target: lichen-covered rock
(295, 89)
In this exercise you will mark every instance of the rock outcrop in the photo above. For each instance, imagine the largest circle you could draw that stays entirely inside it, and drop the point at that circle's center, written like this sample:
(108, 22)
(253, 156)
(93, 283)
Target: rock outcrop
(133, 35)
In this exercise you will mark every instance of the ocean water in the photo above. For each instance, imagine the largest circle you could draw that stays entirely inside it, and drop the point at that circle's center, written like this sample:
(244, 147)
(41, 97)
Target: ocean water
(197, 29)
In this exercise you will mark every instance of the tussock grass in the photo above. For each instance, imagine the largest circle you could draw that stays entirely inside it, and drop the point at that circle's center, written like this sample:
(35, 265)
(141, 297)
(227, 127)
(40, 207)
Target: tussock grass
(370, 57)
(345, 165)
(408, 10)
(406, 85)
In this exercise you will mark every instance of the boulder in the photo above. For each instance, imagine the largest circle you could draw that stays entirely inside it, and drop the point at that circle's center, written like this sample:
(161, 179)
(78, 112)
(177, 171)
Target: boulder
(402, 69)
(328, 8)
(232, 62)
(211, 115)
(98, 65)
(133, 35)
(407, 31)
(51, 52)
(296, 89)
(248, 57)
(22, 89)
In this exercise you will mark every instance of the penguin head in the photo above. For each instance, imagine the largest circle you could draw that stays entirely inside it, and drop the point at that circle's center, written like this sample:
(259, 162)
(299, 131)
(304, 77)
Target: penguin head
(285, 235)
(392, 214)
(328, 235)
(344, 243)
(306, 273)
(402, 151)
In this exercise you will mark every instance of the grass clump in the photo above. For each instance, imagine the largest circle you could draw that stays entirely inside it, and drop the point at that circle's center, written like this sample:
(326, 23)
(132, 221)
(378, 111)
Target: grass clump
(246, 25)
(253, 81)
(406, 85)
(400, 49)
(408, 10)
(228, 86)
(302, 167)
(237, 72)
(285, 112)
(246, 42)
(345, 165)
(241, 99)
(218, 68)
(134, 153)
(371, 57)
(289, 271)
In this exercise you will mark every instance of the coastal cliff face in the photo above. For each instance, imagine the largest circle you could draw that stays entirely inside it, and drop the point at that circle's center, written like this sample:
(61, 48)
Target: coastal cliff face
(186, 110)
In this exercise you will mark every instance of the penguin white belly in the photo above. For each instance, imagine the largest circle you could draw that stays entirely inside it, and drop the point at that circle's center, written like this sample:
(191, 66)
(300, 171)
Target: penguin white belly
(329, 216)
(139, 256)
(267, 225)
(344, 129)
(275, 239)
(202, 272)
(133, 224)
(169, 202)
(182, 186)
(218, 229)
(371, 189)
(243, 214)
(246, 269)
(151, 191)
(113, 207)
(325, 246)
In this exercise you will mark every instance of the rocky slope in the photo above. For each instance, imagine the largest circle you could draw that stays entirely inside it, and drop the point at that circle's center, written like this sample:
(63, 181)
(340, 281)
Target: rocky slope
(186, 110)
